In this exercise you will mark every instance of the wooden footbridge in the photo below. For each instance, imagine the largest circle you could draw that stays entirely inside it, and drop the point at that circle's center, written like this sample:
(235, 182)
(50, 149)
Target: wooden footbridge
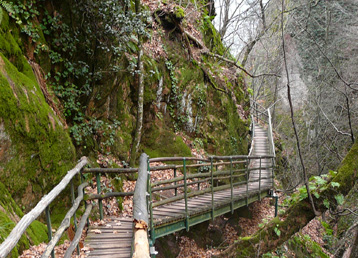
(199, 189)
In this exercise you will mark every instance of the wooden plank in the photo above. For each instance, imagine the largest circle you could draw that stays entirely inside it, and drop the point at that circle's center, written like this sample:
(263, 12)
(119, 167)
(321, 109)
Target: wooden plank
(109, 244)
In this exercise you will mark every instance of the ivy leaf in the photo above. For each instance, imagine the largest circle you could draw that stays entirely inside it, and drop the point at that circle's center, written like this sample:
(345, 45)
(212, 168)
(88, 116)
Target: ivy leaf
(326, 203)
(339, 198)
(335, 184)
(319, 180)
(332, 173)
(277, 231)
(316, 195)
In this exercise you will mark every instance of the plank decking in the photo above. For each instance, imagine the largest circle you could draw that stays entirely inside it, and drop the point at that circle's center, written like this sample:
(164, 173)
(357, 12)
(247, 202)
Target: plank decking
(114, 238)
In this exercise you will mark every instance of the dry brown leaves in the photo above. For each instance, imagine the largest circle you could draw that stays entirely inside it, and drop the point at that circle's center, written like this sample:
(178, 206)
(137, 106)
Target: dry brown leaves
(36, 251)
(260, 210)
(154, 46)
(316, 232)
(189, 249)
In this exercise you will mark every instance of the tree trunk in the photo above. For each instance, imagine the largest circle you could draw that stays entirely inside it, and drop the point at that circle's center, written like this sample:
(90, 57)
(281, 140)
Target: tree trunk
(304, 172)
(139, 124)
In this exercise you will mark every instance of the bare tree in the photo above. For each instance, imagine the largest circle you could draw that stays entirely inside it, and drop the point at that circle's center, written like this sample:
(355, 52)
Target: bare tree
(140, 84)
(293, 117)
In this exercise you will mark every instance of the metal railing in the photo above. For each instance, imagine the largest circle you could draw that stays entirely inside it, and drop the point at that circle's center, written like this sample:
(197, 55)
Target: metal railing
(190, 177)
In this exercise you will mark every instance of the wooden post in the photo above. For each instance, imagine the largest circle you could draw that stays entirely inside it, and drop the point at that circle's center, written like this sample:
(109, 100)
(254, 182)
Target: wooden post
(212, 188)
(232, 188)
(98, 180)
(49, 227)
(140, 212)
(175, 175)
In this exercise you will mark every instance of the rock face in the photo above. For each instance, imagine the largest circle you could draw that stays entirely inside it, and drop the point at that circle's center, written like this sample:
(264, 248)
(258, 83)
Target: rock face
(35, 148)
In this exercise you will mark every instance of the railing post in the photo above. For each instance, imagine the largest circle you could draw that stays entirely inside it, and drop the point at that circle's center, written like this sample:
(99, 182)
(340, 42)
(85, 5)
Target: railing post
(247, 181)
(260, 179)
(74, 215)
(100, 205)
(175, 183)
(149, 187)
(212, 188)
(141, 246)
(232, 187)
(276, 204)
(198, 179)
(49, 228)
(273, 172)
(82, 178)
(185, 196)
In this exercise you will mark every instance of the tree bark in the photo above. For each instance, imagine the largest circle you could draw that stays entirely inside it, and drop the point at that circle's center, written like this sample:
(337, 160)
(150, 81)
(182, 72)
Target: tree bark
(139, 123)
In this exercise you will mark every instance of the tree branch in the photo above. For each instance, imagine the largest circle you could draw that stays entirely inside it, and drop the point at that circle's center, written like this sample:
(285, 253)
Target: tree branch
(238, 66)
(293, 117)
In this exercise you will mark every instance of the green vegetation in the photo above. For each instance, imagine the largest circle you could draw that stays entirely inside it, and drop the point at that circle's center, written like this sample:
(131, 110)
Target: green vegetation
(9, 215)
(165, 144)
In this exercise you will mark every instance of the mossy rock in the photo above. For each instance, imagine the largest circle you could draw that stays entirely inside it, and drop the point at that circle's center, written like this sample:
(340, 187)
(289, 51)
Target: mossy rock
(304, 246)
(163, 143)
(37, 149)
(10, 214)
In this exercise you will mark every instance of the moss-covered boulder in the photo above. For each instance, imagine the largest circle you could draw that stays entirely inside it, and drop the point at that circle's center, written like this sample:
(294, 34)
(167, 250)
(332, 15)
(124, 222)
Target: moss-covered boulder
(10, 214)
(35, 147)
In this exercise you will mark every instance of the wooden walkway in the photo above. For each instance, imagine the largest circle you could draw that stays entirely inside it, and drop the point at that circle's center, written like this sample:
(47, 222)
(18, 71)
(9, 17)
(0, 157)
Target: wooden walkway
(115, 240)
(112, 239)
(202, 204)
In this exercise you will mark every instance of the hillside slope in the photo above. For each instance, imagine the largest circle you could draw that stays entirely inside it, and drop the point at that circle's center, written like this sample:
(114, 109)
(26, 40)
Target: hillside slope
(69, 87)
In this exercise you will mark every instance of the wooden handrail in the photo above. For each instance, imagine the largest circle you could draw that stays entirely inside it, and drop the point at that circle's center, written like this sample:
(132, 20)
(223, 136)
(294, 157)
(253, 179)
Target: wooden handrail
(65, 222)
(79, 230)
(140, 211)
(15, 235)
(110, 170)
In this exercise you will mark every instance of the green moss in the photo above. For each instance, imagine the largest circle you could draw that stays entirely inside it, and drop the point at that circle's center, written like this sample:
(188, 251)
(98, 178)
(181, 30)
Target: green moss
(304, 246)
(9, 214)
(347, 172)
(37, 232)
(212, 38)
(179, 13)
(160, 143)
(6, 226)
(350, 202)
(41, 151)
